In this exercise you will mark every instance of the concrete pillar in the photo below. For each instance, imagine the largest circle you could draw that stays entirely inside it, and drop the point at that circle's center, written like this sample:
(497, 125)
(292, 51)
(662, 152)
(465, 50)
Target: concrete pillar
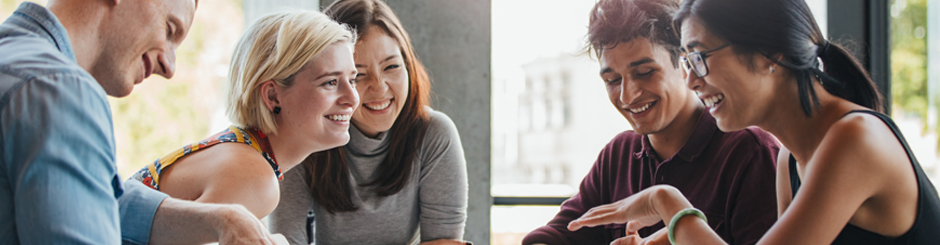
(452, 38)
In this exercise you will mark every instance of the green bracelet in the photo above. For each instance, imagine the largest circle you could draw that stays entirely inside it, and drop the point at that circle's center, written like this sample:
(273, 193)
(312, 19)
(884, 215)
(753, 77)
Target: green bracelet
(679, 215)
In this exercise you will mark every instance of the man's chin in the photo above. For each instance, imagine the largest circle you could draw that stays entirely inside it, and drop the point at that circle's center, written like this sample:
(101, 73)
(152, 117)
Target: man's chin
(119, 92)
(645, 130)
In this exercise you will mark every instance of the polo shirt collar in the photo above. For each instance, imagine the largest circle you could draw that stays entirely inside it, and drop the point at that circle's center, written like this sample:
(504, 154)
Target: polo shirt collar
(705, 128)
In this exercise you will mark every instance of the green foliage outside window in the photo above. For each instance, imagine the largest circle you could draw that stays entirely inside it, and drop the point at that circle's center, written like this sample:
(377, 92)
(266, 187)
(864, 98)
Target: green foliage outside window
(163, 115)
(909, 58)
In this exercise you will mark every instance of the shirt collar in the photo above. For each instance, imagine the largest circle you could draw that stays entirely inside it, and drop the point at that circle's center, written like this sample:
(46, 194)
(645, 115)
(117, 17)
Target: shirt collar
(42, 22)
(705, 128)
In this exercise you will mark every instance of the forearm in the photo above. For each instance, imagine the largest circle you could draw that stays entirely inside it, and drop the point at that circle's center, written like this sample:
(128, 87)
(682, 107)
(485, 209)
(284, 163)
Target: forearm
(186, 222)
(667, 201)
(177, 221)
(693, 230)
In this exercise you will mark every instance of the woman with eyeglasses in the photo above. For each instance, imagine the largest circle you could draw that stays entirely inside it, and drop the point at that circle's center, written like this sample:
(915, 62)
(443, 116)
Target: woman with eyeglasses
(847, 176)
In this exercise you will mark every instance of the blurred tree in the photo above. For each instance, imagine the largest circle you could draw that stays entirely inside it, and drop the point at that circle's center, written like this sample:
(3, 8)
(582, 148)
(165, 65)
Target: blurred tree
(7, 7)
(162, 115)
(909, 57)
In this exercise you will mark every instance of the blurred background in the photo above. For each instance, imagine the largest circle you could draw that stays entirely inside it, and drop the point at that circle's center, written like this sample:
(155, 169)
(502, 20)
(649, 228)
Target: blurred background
(548, 111)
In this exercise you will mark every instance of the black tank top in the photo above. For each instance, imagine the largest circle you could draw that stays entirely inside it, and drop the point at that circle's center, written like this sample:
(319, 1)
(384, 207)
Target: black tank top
(926, 228)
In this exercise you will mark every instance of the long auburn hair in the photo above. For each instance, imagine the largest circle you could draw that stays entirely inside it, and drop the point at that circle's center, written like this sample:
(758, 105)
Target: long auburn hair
(328, 170)
(787, 28)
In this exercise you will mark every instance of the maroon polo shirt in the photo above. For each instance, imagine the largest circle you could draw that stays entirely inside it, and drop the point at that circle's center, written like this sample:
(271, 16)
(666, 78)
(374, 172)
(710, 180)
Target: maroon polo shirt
(729, 176)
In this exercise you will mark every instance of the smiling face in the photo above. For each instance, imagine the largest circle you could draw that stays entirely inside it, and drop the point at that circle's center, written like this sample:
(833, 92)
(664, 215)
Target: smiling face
(139, 38)
(643, 85)
(736, 95)
(322, 98)
(382, 81)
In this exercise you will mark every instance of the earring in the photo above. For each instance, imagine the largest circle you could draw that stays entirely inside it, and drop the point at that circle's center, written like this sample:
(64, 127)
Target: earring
(772, 70)
(277, 110)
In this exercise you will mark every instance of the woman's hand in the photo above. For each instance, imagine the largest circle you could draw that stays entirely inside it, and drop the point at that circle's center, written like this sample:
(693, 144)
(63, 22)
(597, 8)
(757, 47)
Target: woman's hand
(640, 210)
(648, 207)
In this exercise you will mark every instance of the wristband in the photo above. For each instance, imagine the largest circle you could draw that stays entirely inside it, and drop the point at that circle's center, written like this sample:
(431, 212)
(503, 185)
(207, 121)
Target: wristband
(679, 215)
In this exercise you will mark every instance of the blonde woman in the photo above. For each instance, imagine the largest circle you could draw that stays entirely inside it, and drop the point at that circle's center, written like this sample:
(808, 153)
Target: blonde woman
(290, 93)
(402, 179)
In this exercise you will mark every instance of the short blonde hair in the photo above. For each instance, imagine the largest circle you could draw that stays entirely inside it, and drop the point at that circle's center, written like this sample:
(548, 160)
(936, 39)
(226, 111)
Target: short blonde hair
(275, 48)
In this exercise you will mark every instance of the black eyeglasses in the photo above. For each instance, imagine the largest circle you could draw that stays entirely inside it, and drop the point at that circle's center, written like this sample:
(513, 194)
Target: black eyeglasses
(695, 61)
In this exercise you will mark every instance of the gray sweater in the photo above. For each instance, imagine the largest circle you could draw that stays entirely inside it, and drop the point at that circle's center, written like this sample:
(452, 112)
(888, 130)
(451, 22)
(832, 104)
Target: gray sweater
(433, 204)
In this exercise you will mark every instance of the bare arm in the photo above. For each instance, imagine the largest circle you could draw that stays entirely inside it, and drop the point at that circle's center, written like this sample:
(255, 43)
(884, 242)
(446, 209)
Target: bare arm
(850, 168)
(232, 199)
(254, 188)
(228, 173)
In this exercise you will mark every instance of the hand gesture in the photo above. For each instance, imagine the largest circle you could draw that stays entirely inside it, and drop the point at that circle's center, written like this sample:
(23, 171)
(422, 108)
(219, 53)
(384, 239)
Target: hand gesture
(639, 210)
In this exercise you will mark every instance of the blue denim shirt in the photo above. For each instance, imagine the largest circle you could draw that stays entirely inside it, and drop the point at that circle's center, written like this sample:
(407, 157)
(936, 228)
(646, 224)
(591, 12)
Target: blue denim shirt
(58, 178)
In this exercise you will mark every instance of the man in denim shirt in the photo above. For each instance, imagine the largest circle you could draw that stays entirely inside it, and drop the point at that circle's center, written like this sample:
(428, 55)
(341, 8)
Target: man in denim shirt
(58, 179)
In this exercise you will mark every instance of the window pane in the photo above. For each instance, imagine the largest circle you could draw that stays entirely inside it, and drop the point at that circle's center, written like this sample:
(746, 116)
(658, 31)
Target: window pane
(914, 90)
(551, 115)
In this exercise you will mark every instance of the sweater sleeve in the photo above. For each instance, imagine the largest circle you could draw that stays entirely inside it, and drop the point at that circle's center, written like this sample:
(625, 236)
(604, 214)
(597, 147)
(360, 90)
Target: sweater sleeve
(590, 195)
(443, 181)
(290, 216)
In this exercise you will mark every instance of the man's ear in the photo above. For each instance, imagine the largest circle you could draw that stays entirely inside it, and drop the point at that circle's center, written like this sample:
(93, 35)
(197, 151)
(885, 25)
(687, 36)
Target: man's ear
(269, 94)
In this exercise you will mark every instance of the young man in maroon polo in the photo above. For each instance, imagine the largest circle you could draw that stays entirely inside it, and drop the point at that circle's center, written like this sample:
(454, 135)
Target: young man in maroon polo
(729, 176)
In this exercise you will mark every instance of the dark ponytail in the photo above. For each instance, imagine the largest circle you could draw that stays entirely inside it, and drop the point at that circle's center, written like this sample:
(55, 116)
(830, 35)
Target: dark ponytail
(845, 77)
(788, 29)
